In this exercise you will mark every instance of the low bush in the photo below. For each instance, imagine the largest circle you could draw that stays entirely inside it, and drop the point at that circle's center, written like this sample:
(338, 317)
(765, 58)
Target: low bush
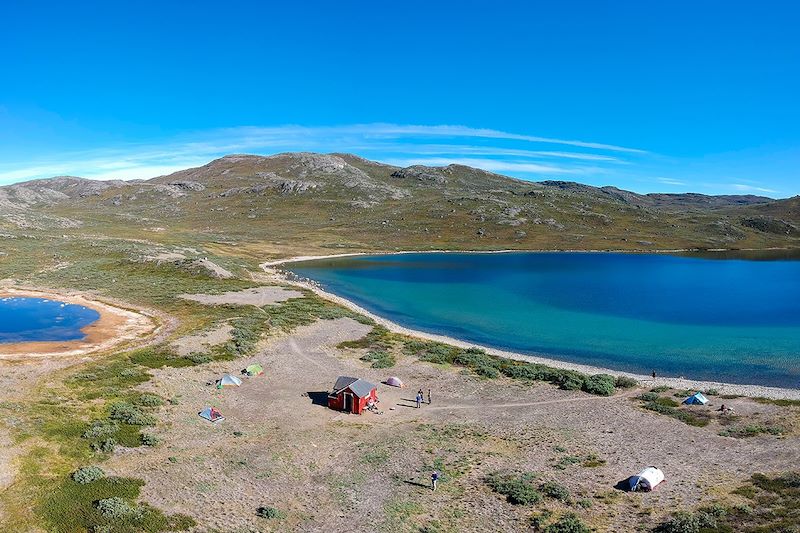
(101, 429)
(518, 489)
(130, 414)
(116, 507)
(569, 523)
(105, 445)
(199, 358)
(150, 400)
(270, 512)
(624, 382)
(150, 440)
(379, 359)
(88, 474)
(555, 490)
(600, 384)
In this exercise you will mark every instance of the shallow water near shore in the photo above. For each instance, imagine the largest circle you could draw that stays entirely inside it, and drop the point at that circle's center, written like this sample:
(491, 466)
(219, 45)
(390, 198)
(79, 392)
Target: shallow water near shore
(713, 317)
(26, 319)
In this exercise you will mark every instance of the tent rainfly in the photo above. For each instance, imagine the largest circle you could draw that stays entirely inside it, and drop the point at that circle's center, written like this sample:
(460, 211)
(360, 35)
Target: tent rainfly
(646, 480)
(254, 370)
(394, 381)
(696, 399)
(228, 381)
(212, 414)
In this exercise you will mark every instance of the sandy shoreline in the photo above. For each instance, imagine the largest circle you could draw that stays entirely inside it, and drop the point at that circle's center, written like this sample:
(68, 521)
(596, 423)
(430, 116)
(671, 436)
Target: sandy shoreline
(114, 326)
(271, 267)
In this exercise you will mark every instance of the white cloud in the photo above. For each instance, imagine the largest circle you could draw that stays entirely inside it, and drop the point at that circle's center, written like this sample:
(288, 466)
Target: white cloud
(751, 188)
(670, 181)
(377, 141)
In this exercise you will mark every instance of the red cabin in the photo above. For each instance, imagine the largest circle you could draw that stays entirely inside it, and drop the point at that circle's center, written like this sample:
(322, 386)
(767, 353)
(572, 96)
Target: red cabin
(352, 395)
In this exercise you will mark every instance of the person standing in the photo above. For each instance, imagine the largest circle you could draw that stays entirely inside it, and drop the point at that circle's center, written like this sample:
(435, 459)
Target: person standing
(434, 479)
(654, 375)
(419, 399)
(429, 396)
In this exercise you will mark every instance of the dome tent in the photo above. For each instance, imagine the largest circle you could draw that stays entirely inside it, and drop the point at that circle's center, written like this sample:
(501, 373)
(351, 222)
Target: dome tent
(696, 399)
(394, 381)
(228, 381)
(646, 480)
(254, 370)
(212, 414)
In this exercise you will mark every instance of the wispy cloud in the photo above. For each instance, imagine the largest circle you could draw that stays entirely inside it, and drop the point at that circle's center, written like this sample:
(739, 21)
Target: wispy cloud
(670, 181)
(743, 187)
(524, 156)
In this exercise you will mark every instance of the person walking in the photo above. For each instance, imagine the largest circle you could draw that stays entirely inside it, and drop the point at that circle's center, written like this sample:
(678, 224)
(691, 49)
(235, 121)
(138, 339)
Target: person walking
(434, 479)
(654, 375)
(419, 399)
(429, 396)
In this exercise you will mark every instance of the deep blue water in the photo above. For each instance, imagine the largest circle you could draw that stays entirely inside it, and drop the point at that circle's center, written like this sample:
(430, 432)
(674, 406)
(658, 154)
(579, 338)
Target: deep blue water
(728, 320)
(38, 319)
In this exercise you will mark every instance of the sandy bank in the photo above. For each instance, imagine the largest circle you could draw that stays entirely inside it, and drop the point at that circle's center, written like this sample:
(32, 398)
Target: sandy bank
(680, 383)
(115, 325)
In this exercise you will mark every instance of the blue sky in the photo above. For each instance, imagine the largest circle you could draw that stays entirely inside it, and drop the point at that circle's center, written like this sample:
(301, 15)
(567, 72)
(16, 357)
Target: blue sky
(670, 96)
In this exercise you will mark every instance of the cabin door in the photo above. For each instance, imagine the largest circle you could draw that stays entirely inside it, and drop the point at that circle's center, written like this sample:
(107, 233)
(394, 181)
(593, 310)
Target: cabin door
(348, 402)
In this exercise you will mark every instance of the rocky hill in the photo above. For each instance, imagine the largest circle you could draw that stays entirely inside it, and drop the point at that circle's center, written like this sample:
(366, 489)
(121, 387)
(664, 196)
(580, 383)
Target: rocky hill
(308, 201)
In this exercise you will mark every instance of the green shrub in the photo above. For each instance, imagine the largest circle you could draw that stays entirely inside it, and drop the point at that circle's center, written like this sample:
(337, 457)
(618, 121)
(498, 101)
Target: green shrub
(116, 507)
(150, 440)
(150, 400)
(570, 380)
(624, 382)
(555, 490)
(661, 388)
(599, 384)
(199, 358)
(379, 359)
(681, 522)
(101, 429)
(88, 474)
(270, 512)
(104, 446)
(518, 490)
(520, 371)
(131, 414)
(649, 397)
(569, 523)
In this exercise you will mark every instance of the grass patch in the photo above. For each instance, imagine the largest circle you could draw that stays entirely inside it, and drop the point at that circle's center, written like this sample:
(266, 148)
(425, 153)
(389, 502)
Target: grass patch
(751, 430)
(73, 506)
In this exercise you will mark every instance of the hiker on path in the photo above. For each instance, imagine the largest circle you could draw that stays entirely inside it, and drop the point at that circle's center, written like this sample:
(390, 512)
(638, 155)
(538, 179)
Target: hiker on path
(429, 396)
(419, 398)
(434, 479)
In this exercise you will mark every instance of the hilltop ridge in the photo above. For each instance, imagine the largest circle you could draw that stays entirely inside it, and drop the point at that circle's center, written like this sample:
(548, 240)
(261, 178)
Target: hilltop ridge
(344, 201)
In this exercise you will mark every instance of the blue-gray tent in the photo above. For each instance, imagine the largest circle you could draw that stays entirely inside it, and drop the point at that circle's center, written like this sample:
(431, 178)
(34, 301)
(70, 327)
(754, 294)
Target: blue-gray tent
(696, 399)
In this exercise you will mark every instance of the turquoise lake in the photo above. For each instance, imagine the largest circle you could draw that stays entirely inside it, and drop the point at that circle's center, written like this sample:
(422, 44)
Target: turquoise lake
(39, 319)
(712, 317)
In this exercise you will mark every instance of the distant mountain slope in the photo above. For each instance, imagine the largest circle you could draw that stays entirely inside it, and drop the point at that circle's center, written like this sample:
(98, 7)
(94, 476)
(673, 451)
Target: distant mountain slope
(342, 201)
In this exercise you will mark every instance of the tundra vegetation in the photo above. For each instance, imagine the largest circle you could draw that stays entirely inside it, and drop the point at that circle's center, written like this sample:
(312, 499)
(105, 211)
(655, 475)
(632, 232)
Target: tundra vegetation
(205, 231)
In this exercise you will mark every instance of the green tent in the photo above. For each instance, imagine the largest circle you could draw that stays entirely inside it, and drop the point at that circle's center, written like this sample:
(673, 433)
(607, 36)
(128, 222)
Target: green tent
(254, 370)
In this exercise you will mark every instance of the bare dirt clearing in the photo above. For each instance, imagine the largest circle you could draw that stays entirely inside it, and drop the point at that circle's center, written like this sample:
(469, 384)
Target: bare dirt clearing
(258, 296)
(280, 446)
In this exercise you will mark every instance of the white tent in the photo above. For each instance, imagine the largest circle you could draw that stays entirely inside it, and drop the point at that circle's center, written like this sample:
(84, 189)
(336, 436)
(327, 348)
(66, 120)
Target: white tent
(646, 480)
(228, 381)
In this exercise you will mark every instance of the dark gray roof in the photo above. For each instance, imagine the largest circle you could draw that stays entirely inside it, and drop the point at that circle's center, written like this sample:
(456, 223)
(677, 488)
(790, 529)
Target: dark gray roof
(342, 382)
(360, 387)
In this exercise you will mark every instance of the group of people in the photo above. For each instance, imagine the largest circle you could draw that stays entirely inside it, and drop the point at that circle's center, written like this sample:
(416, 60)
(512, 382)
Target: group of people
(421, 397)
